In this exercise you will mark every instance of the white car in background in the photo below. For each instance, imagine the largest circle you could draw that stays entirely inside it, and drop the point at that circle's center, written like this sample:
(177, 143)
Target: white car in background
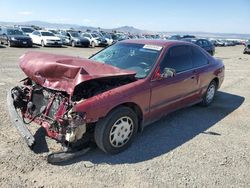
(45, 38)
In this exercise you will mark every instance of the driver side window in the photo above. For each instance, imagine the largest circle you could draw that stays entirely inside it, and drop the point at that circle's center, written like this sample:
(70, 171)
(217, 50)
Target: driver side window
(177, 58)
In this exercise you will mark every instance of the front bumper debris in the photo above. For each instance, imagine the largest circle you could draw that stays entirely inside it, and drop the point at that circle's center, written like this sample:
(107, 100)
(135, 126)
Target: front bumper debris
(18, 122)
(53, 158)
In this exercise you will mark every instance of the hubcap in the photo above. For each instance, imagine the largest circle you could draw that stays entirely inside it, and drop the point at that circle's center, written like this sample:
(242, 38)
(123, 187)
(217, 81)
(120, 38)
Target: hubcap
(210, 93)
(121, 131)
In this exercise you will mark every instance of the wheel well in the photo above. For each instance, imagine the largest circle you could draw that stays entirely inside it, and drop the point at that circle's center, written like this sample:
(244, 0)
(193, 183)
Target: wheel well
(216, 81)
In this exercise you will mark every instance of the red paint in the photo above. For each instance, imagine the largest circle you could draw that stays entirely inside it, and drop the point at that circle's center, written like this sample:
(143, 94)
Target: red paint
(154, 96)
(63, 73)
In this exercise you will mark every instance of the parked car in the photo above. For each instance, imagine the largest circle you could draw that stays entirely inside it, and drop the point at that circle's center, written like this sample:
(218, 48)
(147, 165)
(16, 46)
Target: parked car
(119, 37)
(77, 40)
(175, 37)
(113, 94)
(14, 37)
(62, 35)
(188, 36)
(219, 43)
(26, 29)
(247, 48)
(108, 38)
(45, 38)
(93, 38)
(246, 42)
(203, 43)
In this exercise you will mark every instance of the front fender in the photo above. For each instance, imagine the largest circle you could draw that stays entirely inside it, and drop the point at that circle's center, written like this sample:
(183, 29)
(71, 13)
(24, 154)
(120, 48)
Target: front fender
(100, 105)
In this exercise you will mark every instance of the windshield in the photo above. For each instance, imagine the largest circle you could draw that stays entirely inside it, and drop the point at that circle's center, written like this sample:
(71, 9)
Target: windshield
(137, 57)
(14, 32)
(108, 36)
(75, 34)
(95, 35)
(27, 30)
(47, 34)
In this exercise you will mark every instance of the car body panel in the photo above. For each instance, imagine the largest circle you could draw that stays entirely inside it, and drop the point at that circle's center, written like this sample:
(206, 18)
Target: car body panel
(63, 73)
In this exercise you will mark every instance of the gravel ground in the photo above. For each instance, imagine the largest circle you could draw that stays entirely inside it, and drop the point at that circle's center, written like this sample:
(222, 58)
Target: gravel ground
(193, 147)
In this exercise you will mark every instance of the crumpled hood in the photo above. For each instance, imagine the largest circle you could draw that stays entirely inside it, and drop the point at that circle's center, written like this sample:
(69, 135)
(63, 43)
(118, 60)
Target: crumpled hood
(64, 73)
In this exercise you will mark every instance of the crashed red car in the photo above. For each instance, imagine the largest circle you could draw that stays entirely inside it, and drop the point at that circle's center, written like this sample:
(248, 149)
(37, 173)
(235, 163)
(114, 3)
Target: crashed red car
(113, 94)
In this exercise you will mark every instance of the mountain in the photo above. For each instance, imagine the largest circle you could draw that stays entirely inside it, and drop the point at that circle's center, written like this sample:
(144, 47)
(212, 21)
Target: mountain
(127, 29)
(130, 29)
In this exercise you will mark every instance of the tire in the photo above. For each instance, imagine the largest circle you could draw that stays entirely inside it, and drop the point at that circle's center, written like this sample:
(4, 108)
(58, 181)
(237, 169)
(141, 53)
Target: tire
(9, 44)
(73, 43)
(42, 43)
(92, 44)
(120, 124)
(209, 95)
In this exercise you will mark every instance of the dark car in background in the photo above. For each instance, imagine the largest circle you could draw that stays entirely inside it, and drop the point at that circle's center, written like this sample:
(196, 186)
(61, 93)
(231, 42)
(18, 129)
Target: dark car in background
(203, 43)
(119, 37)
(247, 48)
(14, 37)
(175, 37)
(76, 39)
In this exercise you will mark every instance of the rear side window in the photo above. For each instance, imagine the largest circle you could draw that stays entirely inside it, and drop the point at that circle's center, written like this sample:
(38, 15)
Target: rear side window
(198, 58)
(178, 58)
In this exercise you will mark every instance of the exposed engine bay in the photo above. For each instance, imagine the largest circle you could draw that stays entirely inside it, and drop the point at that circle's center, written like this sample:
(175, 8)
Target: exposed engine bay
(53, 109)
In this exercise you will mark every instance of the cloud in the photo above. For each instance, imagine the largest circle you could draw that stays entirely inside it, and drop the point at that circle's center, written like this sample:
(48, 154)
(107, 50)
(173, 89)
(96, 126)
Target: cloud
(25, 13)
(86, 20)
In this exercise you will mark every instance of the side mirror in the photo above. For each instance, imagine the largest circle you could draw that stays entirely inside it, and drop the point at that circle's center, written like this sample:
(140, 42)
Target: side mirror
(168, 72)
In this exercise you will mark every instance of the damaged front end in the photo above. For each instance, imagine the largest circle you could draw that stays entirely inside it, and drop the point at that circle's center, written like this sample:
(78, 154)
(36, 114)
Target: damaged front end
(54, 87)
(51, 109)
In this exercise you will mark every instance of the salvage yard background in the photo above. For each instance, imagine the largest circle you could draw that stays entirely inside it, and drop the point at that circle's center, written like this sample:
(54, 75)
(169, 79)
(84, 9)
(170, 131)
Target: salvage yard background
(193, 147)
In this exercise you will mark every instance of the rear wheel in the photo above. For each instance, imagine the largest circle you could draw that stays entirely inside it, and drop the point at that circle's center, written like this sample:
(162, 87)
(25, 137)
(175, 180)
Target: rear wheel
(42, 43)
(116, 131)
(210, 93)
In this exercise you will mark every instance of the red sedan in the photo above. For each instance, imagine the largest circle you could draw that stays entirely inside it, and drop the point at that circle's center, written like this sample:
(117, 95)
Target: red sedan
(113, 94)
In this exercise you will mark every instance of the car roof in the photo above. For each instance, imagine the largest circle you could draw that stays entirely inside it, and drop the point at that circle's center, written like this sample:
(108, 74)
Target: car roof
(43, 31)
(157, 42)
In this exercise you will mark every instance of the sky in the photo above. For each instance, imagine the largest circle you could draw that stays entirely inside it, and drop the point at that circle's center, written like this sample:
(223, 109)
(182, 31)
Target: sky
(223, 16)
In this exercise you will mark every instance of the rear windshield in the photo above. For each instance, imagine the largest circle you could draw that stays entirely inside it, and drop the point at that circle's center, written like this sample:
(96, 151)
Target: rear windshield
(47, 34)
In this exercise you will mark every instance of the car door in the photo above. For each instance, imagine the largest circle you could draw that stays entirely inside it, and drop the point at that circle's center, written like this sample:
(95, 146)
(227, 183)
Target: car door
(171, 93)
(35, 37)
(200, 65)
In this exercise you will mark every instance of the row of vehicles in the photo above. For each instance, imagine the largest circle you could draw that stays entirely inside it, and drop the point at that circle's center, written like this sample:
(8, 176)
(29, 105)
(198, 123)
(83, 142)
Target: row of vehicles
(26, 36)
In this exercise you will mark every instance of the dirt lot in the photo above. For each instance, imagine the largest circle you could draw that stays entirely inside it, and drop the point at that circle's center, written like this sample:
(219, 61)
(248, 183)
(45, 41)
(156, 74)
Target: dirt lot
(194, 147)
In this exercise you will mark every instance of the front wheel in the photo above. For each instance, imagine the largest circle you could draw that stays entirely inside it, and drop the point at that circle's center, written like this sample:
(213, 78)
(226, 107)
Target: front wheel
(210, 93)
(9, 43)
(115, 132)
